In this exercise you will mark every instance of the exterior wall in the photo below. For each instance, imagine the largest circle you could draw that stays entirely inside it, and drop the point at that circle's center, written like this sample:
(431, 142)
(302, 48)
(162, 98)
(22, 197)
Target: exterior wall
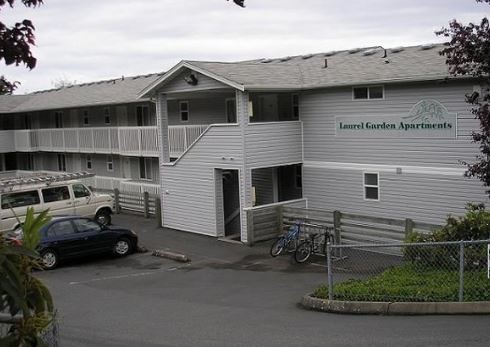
(429, 183)
(178, 84)
(262, 180)
(210, 110)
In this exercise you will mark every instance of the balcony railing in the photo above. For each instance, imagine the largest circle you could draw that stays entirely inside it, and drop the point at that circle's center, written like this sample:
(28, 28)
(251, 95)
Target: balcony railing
(130, 141)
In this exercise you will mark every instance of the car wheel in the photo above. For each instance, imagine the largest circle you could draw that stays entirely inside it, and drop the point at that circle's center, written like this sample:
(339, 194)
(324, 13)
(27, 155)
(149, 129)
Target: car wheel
(103, 217)
(49, 259)
(122, 247)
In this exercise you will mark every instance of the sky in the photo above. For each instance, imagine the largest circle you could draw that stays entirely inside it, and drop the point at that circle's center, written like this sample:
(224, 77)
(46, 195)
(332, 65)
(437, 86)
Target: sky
(90, 40)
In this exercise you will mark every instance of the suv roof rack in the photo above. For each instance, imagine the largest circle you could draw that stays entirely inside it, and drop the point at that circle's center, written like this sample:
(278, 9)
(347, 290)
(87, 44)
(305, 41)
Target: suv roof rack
(47, 179)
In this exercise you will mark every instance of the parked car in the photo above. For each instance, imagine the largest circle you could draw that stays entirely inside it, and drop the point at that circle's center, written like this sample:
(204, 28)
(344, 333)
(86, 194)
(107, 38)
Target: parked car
(62, 198)
(74, 237)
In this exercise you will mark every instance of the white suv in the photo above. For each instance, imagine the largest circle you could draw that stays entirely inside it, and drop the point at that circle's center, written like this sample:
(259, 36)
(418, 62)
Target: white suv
(62, 198)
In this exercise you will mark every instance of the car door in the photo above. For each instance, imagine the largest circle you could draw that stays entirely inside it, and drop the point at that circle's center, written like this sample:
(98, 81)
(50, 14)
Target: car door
(96, 238)
(63, 238)
(83, 200)
(58, 200)
(14, 205)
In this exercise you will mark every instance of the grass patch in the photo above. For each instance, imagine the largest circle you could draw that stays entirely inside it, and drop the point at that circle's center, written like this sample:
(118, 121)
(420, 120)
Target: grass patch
(411, 283)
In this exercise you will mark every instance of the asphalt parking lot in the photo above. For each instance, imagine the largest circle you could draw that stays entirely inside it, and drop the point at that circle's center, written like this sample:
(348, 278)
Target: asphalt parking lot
(228, 295)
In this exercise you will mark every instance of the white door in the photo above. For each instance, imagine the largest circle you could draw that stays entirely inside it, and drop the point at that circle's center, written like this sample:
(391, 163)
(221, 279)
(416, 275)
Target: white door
(58, 200)
(127, 168)
(83, 201)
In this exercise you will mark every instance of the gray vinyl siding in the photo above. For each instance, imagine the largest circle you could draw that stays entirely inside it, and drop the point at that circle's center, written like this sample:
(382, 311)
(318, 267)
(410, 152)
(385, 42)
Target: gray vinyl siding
(318, 111)
(209, 110)
(189, 185)
(273, 144)
(264, 186)
(424, 198)
(423, 195)
(177, 84)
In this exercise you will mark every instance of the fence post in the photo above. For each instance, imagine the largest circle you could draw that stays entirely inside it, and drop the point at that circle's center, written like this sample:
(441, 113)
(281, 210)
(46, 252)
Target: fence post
(146, 204)
(158, 211)
(117, 204)
(408, 226)
(329, 272)
(461, 270)
(337, 221)
(250, 228)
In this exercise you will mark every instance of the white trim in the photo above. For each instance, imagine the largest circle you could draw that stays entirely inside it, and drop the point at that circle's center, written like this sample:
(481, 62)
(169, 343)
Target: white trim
(364, 185)
(406, 169)
(275, 204)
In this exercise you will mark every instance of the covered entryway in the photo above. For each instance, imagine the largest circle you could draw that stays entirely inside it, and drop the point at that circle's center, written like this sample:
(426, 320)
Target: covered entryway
(228, 203)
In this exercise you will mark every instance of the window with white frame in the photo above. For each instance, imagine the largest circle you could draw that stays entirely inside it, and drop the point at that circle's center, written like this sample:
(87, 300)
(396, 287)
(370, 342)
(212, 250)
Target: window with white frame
(107, 115)
(61, 162)
(145, 168)
(368, 93)
(86, 120)
(110, 163)
(184, 111)
(142, 116)
(371, 186)
(89, 162)
(295, 103)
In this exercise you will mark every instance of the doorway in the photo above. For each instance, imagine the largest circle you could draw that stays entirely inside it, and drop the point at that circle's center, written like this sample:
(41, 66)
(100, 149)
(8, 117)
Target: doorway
(228, 192)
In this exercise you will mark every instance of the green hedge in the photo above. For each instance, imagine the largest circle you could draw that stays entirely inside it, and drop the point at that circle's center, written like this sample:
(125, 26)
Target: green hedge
(410, 283)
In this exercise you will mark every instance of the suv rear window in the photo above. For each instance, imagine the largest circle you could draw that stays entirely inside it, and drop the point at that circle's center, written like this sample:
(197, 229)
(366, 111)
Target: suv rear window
(19, 199)
(56, 194)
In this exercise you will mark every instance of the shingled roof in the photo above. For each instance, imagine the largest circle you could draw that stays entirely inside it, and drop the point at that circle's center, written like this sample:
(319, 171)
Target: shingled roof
(115, 91)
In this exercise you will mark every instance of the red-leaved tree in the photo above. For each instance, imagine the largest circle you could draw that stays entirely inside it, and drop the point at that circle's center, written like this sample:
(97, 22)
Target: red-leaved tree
(468, 54)
(15, 44)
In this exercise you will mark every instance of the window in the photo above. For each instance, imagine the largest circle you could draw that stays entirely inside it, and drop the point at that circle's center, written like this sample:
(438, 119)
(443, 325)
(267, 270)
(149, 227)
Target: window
(231, 110)
(61, 162)
(368, 93)
(86, 120)
(56, 194)
(110, 163)
(298, 177)
(20, 199)
(295, 103)
(184, 111)
(86, 225)
(89, 162)
(107, 115)
(61, 228)
(80, 191)
(142, 116)
(58, 119)
(371, 186)
(145, 168)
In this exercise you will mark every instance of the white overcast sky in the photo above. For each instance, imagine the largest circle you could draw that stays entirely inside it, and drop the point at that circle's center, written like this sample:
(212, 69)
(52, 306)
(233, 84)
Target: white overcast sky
(100, 39)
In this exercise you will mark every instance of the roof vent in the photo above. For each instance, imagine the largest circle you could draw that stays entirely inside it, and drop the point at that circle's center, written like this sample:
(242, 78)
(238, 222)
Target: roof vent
(286, 58)
(307, 56)
(369, 52)
(397, 49)
(267, 61)
(329, 54)
(355, 50)
(427, 47)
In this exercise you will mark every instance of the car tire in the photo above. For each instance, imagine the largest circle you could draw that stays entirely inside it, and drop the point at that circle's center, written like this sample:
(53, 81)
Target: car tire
(49, 259)
(122, 247)
(103, 217)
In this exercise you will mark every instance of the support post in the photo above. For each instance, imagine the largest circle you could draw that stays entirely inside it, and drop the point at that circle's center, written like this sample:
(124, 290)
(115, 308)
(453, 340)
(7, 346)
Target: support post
(461, 270)
(146, 204)
(117, 205)
(329, 272)
(158, 211)
(337, 222)
(250, 228)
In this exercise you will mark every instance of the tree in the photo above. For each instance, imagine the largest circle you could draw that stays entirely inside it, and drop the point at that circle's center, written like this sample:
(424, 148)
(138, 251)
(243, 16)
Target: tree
(468, 54)
(15, 44)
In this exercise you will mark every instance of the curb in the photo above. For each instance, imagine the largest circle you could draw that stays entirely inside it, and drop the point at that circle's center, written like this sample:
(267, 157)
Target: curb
(395, 308)
(170, 255)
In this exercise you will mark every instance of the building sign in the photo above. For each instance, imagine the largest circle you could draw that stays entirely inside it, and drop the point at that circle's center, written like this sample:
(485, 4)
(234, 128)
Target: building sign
(428, 118)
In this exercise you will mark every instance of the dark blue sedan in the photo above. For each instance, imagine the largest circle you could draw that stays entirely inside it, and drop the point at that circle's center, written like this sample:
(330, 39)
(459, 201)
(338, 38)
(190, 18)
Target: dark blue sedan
(74, 237)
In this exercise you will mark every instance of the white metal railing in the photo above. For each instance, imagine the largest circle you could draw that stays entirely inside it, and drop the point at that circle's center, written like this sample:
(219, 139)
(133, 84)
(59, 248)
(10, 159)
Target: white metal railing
(132, 141)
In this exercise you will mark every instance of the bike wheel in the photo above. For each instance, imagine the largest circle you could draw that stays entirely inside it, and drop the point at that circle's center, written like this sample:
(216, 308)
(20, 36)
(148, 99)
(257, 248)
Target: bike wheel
(303, 252)
(277, 247)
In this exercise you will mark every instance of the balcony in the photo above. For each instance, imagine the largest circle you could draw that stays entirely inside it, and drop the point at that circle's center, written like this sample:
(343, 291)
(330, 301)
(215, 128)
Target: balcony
(128, 141)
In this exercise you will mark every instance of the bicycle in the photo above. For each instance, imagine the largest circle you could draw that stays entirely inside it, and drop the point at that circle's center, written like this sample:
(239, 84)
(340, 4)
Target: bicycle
(287, 241)
(315, 244)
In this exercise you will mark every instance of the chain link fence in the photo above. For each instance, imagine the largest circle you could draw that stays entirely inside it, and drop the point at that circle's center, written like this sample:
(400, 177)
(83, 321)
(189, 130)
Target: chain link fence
(411, 272)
